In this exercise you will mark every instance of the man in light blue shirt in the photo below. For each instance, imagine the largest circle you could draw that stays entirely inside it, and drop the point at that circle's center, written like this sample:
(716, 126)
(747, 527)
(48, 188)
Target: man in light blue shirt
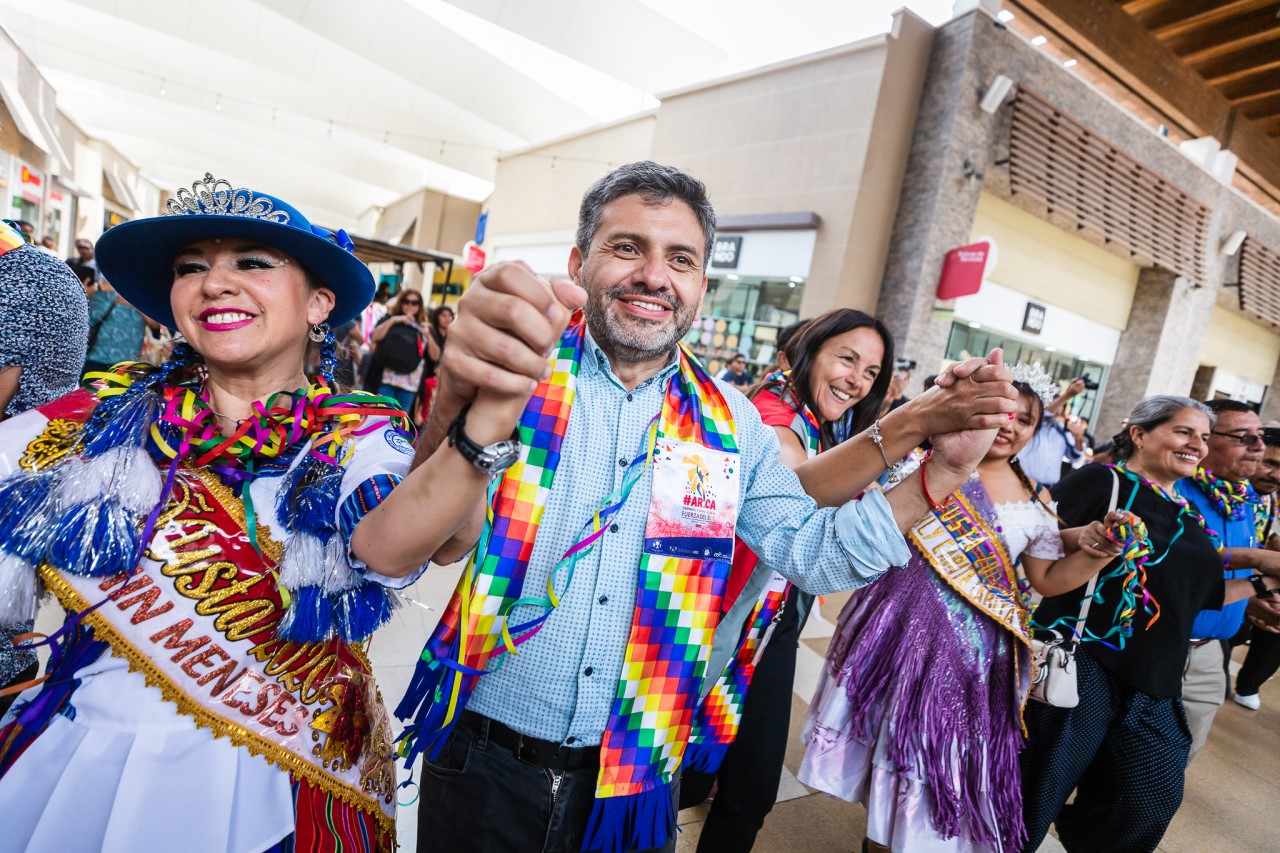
(1054, 443)
(519, 770)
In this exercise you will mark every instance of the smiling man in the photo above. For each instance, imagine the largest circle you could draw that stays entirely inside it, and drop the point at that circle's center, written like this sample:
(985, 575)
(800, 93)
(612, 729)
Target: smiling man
(1220, 490)
(605, 562)
(1263, 658)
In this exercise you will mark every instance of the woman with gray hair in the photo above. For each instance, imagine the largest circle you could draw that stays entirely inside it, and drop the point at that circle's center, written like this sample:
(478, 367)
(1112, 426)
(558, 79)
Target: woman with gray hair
(1124, 747)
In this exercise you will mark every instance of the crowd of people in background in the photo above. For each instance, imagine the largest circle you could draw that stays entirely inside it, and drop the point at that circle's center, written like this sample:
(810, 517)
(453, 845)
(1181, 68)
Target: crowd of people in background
(984, 532)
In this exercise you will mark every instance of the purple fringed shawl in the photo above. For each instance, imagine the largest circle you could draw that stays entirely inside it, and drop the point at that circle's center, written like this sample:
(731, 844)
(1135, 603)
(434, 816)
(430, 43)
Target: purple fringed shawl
(944, 684)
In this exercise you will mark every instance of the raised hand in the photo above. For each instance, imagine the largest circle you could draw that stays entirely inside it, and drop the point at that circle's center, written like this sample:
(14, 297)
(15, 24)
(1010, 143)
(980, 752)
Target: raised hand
(507, 322)
(976, 394)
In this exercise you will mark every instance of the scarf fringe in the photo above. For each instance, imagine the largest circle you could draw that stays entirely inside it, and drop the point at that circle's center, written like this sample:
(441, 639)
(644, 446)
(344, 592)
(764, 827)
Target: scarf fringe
(705, 756)
(640, 821)
(424, 709)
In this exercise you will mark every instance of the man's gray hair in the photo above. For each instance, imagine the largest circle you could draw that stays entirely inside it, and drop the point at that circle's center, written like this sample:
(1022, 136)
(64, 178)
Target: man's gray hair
(1153, 411)
(656, 185)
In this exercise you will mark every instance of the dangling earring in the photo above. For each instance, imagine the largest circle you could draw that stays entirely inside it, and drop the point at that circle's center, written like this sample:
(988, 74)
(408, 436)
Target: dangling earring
(318, 331)
(328, 355)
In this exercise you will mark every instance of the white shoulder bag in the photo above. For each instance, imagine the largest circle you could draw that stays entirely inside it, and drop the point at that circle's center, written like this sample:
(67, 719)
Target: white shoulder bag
(1053, 662)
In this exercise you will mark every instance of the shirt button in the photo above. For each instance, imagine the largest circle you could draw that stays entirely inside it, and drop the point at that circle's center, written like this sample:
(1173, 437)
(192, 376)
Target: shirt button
(588, 671)
(622, 463)
(613, 528)
(571, 739)
(604, 599)
(630, 397)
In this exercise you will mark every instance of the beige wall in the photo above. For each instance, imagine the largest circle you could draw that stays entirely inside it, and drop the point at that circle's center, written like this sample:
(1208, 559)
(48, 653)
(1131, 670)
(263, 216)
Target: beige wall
(1241, 347)
(438, 223)
(538, 190)
(1046, 263)
(827, 133)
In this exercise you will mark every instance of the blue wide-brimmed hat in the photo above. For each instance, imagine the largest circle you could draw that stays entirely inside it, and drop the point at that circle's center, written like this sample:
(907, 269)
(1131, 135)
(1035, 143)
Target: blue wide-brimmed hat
(136, 257)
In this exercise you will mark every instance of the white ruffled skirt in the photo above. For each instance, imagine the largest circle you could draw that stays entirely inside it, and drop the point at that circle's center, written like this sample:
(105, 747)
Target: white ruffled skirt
(129, 773)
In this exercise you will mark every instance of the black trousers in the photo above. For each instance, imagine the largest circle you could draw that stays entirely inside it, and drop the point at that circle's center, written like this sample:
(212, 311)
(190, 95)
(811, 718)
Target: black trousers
(1122, 751)
(477, 797)
(1260, 663)
(752, 768)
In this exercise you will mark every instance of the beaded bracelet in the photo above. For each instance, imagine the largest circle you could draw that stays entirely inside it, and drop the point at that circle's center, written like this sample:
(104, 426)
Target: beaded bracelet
(894, 468)
(924, 485)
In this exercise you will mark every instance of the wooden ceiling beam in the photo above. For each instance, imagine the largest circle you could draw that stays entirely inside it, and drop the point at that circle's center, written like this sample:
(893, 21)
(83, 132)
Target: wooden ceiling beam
(1241, 65)
(1241, 90)
(1118, 43)
(1174, 17)
(1259, 106)
(1226, 37)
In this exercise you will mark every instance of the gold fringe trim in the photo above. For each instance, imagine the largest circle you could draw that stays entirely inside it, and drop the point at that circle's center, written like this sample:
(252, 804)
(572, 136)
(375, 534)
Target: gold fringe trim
(139, 662)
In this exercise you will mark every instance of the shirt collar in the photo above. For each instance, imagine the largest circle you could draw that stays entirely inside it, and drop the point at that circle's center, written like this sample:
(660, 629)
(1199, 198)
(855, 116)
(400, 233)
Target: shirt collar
(594, 360)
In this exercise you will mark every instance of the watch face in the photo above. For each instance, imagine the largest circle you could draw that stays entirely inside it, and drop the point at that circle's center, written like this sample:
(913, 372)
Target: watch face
(501, 456)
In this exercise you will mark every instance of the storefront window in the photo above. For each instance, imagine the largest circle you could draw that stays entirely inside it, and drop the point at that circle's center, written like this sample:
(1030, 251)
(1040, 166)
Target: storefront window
(744, 315)
(968, 340)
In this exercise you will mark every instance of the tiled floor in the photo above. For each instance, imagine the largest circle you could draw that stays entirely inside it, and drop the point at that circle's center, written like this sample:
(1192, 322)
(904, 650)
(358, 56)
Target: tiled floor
(1232, 787)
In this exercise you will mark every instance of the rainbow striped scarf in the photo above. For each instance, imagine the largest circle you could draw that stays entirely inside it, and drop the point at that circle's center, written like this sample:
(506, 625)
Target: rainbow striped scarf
(716, 723)
(677, 604)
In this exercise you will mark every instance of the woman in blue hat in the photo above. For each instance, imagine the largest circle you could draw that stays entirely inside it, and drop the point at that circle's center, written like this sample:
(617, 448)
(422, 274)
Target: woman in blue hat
(224, 537)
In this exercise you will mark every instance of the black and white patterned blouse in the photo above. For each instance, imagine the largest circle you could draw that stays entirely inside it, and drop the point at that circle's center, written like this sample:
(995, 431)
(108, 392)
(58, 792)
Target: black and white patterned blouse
(44, 326)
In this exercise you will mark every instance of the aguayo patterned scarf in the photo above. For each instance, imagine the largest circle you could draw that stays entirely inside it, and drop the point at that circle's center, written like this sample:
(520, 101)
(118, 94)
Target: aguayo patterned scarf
(715, 725)
(1233, 500)
(683, 569)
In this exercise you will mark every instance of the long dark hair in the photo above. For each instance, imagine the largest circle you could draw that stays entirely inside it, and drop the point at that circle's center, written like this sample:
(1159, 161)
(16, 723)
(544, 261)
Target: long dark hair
(1037, 495)
(802, 351)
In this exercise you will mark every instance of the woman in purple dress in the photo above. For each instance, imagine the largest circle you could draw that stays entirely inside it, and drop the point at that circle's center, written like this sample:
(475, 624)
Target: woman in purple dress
(918, 714)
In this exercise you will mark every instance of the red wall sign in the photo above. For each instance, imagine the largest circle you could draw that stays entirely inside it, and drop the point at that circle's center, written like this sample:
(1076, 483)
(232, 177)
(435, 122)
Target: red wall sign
(473, 258)
(964, 269)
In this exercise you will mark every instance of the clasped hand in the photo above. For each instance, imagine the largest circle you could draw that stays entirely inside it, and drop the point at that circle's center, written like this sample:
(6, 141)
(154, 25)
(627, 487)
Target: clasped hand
(508, 322)
(961, 414)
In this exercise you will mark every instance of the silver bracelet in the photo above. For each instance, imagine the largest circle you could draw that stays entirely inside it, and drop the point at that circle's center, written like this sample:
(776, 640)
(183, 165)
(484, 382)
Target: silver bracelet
(894, 468)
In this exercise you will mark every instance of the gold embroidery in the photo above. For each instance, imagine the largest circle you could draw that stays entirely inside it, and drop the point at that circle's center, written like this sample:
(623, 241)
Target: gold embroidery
(139, 662)
(59, 438)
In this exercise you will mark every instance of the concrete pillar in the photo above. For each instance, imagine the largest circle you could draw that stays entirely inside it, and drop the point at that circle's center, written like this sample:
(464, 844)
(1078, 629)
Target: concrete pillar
(950, 150)
(1271, 402)
(1159, 351)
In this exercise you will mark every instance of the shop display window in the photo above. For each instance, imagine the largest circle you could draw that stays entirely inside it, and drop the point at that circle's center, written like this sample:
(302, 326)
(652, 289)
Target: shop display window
(967, 341)
(743, 315)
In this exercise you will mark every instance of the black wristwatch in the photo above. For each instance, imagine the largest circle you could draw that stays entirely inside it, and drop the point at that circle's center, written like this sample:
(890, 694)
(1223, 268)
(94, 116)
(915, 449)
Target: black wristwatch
(492, 459)
(1259, 586)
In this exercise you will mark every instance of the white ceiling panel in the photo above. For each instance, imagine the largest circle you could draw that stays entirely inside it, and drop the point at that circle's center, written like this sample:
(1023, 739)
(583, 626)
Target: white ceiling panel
(338, 106)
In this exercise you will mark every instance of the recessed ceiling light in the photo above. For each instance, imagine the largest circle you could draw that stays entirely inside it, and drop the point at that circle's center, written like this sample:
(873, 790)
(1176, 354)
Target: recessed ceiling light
(974, 325)
(1050, 349)
(1004, 16)
(1069, 63)
(1039, 40)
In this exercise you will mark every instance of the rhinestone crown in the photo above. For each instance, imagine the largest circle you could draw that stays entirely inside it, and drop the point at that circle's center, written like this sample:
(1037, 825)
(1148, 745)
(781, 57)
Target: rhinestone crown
(212, 196)
(1042, 384)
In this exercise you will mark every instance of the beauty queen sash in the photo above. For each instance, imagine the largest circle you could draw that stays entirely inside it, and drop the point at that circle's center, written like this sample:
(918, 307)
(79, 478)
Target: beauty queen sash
(961, 542)
(717, 720)
(198, 619)
(683, 569)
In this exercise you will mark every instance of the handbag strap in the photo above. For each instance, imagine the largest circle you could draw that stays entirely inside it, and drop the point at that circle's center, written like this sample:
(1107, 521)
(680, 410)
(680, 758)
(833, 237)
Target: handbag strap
(1093, 581)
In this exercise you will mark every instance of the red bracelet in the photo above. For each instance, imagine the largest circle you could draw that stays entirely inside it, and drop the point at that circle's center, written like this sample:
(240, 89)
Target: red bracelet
(924, 485)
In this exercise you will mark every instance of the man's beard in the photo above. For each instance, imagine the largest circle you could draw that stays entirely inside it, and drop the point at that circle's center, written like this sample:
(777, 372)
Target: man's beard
(638, 340)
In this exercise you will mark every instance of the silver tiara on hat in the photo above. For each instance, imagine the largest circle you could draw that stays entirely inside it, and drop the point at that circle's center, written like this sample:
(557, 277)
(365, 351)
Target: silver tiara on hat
(1042, 384)
(212, 196)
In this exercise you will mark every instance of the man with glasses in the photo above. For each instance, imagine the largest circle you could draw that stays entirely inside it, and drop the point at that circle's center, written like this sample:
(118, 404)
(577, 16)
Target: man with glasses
(1220, 490)
(1263, 658)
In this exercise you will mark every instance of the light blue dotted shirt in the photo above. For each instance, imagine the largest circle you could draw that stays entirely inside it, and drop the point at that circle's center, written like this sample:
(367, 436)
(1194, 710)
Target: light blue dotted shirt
(561, 685)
